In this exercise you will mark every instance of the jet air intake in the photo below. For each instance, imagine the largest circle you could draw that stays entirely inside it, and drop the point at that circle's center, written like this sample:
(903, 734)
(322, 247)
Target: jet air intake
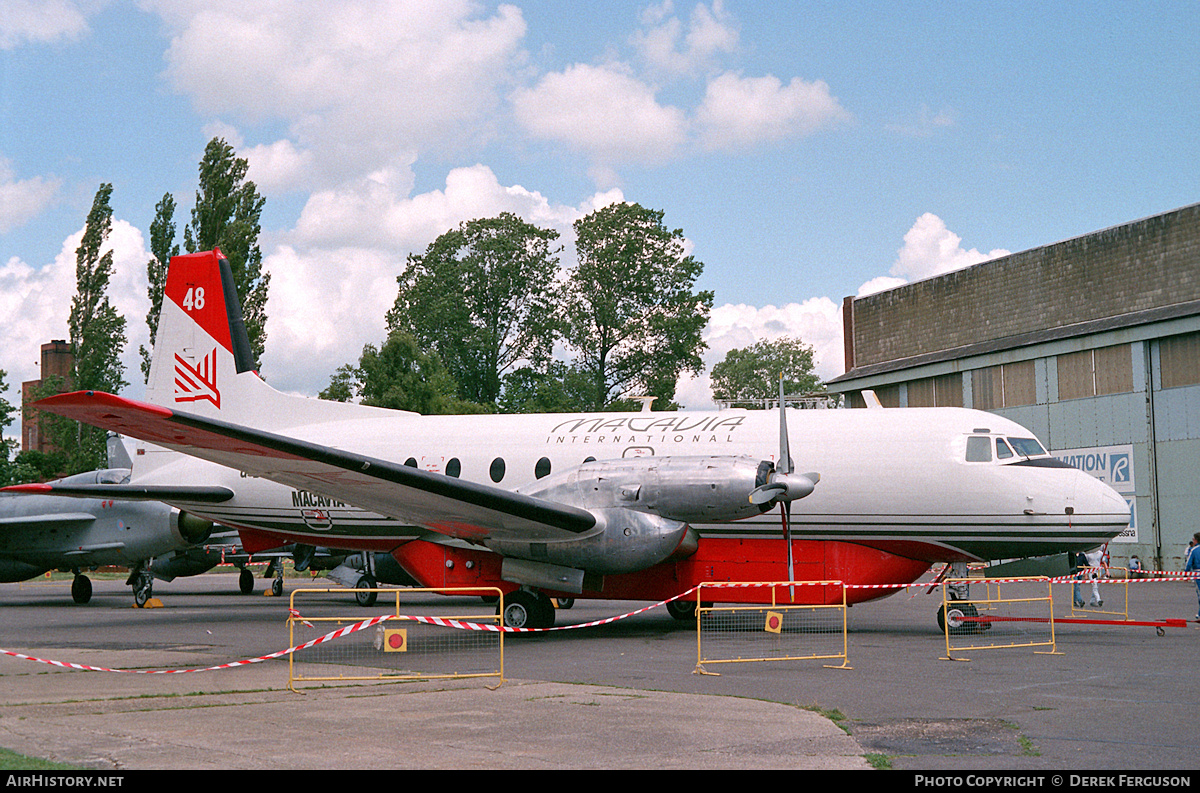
(192, 529)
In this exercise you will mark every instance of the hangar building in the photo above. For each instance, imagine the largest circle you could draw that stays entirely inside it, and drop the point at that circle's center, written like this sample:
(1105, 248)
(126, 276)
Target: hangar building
(1092, 343)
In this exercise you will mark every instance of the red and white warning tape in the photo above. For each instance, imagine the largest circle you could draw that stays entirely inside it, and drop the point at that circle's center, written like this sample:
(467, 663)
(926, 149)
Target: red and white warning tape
(482, 626)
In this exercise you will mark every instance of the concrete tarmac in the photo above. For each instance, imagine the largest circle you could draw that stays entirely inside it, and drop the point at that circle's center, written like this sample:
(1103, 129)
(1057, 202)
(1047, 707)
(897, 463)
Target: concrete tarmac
(615, 696)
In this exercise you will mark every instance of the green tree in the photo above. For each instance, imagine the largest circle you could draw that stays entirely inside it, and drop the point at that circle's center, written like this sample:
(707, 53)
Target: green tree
(482, 297)
(97, 330)
(226, 216)
(400, 375)
(556, 388)
(753, 373)
(630, 314)
(162, 248)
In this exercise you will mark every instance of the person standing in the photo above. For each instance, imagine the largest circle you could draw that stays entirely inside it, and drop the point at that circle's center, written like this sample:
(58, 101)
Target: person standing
(1193, 566)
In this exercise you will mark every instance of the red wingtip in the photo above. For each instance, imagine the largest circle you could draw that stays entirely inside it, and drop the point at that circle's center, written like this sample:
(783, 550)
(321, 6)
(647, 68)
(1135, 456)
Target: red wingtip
(29, 488)
(90, 400)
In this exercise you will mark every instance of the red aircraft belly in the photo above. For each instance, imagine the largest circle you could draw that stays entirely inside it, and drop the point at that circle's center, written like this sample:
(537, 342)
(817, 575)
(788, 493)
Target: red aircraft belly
(716, 560)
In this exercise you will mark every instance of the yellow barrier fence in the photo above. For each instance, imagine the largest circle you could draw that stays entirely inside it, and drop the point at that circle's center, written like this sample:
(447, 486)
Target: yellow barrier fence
(392, 646)
(1017, 612)
(774, 628)
(1100, 590)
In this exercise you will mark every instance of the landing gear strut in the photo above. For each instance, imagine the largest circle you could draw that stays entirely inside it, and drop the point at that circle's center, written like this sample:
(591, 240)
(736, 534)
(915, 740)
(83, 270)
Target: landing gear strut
(958, 614)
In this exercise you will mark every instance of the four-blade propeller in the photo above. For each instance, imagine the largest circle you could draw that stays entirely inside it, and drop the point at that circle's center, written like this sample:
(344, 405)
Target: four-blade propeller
(783, 486)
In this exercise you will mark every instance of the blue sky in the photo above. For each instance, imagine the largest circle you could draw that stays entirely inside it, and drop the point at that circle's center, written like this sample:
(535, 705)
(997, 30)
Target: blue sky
(807, 150)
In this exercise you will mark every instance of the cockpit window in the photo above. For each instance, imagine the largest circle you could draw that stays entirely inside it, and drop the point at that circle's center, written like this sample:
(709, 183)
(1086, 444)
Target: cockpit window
(1028, 447)
(979, 449)
(1002, 450)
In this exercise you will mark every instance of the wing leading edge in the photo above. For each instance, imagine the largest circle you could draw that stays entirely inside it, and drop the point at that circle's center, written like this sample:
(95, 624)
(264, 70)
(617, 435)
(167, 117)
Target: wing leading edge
(194, 493)
(443, 504)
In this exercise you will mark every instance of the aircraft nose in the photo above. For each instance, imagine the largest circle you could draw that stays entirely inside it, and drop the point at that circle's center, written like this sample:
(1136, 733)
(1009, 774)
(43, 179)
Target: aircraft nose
(1093, 497)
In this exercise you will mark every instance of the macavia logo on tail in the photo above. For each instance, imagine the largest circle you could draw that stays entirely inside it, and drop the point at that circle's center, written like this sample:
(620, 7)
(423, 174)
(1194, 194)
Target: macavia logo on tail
(193, 383)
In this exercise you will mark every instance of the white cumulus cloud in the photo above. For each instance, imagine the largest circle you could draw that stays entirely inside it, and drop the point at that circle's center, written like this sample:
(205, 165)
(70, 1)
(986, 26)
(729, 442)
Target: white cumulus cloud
(22, 199)
(44, 21)
(932, 249)
(671, 46)
(603, 111)
(745, 111)
(356, 81)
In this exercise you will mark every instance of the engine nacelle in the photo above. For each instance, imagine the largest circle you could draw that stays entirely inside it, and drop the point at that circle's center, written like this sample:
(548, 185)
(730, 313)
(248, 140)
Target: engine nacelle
(712, 489)
(623, 541)
(643, 507)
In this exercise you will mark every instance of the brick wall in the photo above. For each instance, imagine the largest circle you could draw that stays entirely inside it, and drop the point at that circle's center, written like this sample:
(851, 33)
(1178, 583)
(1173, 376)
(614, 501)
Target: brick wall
(1147, 264)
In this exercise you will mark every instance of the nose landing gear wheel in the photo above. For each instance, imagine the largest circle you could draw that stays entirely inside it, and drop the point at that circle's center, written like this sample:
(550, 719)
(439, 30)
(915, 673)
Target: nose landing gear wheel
(954, 615)
(143, 588)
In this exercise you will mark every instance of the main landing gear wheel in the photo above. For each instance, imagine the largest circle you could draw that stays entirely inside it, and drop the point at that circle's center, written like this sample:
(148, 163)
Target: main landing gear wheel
(81, 589)
(245, 581)
(954, 615)
(277, 586)
(682, 609)
(525, 609)
(366, 599)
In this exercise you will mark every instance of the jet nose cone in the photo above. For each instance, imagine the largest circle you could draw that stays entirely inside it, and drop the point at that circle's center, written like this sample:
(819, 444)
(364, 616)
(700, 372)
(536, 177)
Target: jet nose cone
(1096, 499)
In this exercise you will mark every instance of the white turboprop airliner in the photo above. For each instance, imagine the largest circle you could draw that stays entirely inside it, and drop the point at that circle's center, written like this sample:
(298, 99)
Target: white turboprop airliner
(613, 505)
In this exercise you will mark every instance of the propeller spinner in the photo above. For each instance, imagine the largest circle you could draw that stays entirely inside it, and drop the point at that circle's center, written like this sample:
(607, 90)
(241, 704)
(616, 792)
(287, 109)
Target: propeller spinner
(783, 485)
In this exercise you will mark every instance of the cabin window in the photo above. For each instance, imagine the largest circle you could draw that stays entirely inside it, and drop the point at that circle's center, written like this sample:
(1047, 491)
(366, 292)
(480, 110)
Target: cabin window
(979, 449)
(542, 469)
(411, 462)
(497, 469)
(1027, 447)
(587, 460)
(1003, 452)
(453, 467)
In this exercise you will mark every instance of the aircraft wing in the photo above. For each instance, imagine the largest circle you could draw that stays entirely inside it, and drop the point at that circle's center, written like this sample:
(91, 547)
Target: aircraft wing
(441, 503)
(196, 493)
